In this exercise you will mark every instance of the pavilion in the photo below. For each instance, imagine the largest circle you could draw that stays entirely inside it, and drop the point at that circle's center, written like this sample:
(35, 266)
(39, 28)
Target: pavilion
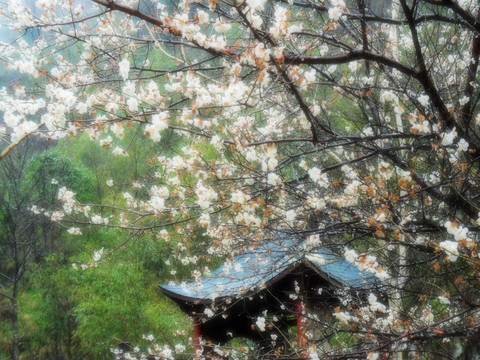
(272, 281)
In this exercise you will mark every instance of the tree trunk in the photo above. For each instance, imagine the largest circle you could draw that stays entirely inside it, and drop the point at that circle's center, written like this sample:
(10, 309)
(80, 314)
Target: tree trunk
(15, 344)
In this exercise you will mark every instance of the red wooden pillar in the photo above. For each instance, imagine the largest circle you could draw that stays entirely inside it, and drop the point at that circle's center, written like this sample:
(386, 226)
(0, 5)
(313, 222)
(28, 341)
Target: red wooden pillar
(197, 338)
(301, 325)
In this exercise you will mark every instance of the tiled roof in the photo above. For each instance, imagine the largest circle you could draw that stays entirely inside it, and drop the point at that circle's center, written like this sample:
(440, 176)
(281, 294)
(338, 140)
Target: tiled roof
(266, 264)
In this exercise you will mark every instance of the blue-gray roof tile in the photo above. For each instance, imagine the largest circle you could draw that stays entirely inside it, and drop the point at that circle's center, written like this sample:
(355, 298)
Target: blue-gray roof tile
(255, 268)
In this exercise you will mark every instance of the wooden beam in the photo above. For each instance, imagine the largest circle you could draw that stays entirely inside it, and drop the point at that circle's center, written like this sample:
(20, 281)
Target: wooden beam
(301, 325)
(197, 338)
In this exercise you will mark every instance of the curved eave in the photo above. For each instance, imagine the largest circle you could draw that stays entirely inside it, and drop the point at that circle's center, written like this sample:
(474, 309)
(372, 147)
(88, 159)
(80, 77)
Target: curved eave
(175, 296)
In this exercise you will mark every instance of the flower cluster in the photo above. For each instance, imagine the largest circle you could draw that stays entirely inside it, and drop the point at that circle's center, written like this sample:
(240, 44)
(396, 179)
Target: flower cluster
(265, 117)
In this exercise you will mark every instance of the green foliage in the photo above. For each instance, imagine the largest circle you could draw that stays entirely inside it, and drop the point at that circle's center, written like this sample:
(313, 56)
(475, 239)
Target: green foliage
(48, 319)
(82, 314)
(342, 339)
(53, 164)
(208, 151)
(116, 303)
(5, 329)
(106, 293)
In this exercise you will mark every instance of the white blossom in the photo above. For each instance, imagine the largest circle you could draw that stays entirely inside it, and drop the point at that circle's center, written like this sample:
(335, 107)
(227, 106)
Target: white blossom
(124, 68)
(451, 249)
(74, 231)
(97, 255)
(208, 312)
(260, 323)
(448, 138)
(318, 177)
(424, 100)
(334, 13)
